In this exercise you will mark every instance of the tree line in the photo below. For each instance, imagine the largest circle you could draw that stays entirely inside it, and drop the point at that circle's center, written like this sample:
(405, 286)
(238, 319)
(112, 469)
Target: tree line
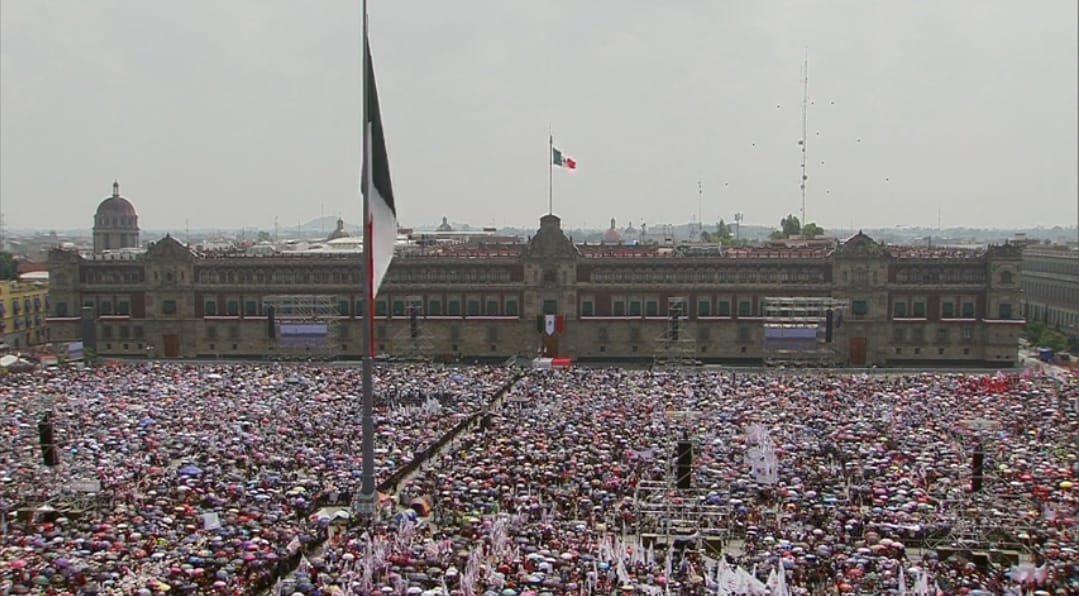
(789, 227)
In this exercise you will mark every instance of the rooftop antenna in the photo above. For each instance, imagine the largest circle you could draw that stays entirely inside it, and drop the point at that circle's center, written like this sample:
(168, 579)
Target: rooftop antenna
(276, 230)
(700, 213)
(805, 122)
(187, 230)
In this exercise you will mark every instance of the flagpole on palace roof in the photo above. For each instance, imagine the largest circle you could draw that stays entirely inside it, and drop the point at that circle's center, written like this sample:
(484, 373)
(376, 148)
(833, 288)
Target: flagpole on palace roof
(550, 171)
(366, 499)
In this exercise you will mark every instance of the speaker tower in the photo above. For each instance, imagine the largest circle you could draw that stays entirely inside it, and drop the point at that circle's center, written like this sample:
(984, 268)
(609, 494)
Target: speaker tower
(683, 466)
(977, 469)
(47, 441)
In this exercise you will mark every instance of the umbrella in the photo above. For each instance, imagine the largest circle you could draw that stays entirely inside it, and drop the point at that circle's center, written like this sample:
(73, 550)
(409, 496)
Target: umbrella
(189, 470)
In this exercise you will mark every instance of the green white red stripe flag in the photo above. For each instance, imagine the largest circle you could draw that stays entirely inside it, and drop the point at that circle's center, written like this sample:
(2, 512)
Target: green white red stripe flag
(554, 324)
(382, 218)
(560, 159)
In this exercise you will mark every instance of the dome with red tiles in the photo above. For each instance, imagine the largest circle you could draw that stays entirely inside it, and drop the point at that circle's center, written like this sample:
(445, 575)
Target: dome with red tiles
(116, 223)
(117, 205)
(612, 235)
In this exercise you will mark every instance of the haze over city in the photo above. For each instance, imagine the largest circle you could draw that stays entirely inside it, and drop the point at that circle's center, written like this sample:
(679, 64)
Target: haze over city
(228, 115)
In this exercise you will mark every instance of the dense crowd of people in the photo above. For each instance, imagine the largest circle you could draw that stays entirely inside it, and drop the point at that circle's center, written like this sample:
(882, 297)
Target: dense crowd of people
(873, 472)
(565, 488)
(259, 447)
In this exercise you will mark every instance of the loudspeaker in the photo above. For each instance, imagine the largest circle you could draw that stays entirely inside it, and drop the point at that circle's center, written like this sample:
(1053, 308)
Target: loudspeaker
(88, 328)
(49, 456)
(683, 464)
(413, 323)
(977, 469)
(828, 320)
(271, 324)
(713, 546)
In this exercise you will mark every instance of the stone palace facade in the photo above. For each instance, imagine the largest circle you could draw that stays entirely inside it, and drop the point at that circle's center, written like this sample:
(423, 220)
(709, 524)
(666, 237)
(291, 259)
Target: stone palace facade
(893, 306)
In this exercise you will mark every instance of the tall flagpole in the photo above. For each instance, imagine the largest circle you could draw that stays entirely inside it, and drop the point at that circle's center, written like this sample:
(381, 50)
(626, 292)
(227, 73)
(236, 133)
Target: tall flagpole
(366, 500)
(805, 121)
(550, 172)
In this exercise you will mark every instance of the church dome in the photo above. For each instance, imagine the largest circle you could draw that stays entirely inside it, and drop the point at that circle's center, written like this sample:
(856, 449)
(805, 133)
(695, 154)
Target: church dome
(612, 235)
(116, 223)
(340, 232)
(116, 211)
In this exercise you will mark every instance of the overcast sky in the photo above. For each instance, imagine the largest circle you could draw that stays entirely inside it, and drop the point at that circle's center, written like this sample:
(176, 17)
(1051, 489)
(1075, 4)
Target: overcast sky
(231, 113)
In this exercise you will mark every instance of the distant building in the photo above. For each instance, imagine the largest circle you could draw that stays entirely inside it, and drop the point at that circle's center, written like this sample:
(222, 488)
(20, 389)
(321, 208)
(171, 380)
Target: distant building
(340, 232)
(444, 226)
(23, 312)
(484, 298)
(116, 224)
(1051, 286)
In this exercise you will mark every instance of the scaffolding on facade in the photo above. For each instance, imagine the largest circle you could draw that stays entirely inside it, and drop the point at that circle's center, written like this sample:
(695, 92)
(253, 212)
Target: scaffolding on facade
(674, 347)
(413, 343)
(798, 330)
(303, 326)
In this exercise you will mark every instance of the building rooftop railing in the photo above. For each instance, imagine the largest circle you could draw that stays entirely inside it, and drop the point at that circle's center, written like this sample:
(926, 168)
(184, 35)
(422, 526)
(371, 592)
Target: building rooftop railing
(918, 252)
(587, 251)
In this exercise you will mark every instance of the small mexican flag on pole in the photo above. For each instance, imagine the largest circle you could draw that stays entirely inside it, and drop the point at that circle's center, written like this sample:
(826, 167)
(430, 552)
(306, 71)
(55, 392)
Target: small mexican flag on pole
(562, 160)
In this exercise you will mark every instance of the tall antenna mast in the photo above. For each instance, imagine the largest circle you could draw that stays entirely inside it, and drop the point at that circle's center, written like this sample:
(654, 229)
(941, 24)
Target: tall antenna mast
(805, 122)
